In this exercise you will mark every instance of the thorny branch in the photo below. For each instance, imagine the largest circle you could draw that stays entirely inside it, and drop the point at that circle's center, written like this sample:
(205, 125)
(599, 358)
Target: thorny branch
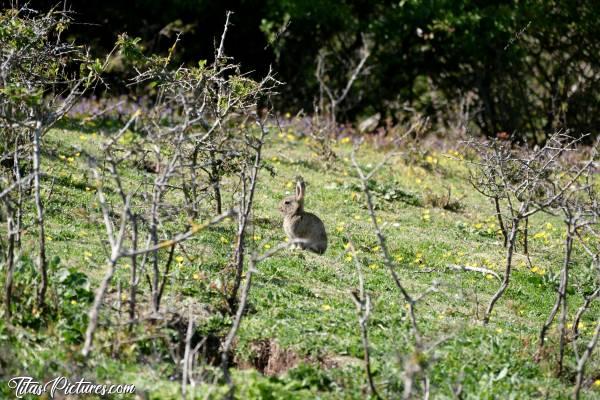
(363, 308)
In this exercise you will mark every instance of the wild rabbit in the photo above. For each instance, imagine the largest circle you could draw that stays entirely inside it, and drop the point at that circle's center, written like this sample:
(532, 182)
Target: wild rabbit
(299, 224)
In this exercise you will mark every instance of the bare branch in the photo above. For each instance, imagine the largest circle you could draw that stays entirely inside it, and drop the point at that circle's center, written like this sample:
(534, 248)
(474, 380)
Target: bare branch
(222, 44)
(363, 309)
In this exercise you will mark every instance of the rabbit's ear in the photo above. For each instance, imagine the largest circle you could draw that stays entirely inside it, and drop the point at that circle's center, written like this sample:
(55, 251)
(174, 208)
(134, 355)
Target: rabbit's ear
(300, 187)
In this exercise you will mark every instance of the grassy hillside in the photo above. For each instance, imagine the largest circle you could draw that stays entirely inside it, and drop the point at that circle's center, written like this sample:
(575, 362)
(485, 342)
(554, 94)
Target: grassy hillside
(300, 337)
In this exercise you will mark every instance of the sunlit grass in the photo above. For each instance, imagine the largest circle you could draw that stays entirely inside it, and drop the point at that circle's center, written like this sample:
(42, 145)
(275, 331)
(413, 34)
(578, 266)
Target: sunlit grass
(302, 301)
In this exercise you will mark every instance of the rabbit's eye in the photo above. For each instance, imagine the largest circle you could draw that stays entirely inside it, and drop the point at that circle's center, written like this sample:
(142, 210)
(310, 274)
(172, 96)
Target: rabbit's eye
(286, 202)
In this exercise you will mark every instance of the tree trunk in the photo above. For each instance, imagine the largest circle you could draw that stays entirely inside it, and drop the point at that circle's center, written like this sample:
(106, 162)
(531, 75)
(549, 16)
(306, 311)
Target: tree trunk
(512, 236)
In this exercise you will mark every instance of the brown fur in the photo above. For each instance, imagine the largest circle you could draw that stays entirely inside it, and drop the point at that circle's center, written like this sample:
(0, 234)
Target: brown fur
(299, 224)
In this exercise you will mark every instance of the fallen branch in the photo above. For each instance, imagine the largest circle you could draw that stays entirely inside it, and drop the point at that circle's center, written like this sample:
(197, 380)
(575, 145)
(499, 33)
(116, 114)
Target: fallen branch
(474, 269)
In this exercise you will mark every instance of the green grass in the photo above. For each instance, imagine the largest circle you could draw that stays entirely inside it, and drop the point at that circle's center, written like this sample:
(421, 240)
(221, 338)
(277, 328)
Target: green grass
(301, 302)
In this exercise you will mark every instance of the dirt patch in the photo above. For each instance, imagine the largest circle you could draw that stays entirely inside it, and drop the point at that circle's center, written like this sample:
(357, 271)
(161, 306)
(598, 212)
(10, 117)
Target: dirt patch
(210, 345)
(269, 358)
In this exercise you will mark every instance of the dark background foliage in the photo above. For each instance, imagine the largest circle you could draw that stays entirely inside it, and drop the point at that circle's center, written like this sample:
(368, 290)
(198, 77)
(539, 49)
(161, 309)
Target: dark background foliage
(533, 66)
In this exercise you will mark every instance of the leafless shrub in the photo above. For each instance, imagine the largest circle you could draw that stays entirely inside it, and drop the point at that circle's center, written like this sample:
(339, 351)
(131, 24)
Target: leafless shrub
(414, 364)
(590, 227)
(325, 114)
(577, 215)
(41, 78)
(204, 126)
(521, 183)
